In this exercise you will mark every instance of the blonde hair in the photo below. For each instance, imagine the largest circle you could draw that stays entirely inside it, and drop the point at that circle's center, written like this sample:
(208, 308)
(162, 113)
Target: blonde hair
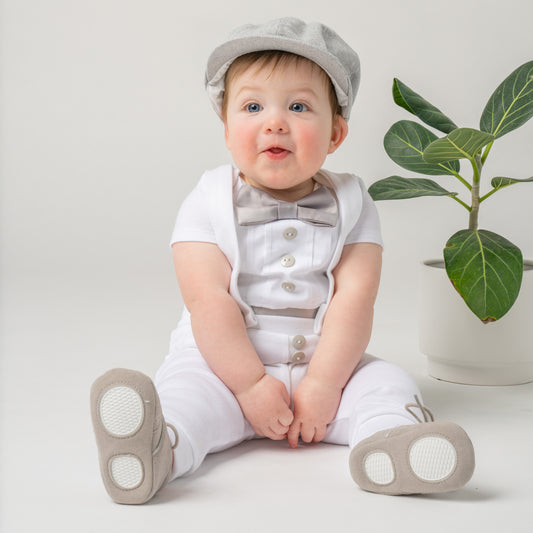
(273, 59)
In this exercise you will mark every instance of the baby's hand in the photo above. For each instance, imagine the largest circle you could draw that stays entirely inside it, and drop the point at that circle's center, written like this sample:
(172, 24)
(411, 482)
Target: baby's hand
(266, 406)
(315, 406)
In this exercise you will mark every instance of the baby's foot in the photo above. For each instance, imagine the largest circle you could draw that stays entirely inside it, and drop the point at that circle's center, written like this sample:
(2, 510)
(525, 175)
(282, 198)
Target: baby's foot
(131, 434)
(420, 458)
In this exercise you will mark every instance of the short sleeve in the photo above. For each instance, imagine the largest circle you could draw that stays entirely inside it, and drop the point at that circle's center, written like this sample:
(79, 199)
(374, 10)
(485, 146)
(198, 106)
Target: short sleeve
(193, 222)
(367, 227)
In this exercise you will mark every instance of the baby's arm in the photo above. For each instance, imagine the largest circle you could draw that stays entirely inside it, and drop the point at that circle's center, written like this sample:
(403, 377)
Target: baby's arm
(345, 336)
(204, 274)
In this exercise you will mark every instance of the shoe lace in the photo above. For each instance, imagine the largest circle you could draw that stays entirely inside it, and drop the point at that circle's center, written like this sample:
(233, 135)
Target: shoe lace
(176, 438)
(162, 436)
(426, 413)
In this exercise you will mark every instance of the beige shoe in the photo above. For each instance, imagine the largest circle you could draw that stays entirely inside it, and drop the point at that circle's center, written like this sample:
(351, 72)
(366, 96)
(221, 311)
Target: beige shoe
(133, 444)
(421, 458)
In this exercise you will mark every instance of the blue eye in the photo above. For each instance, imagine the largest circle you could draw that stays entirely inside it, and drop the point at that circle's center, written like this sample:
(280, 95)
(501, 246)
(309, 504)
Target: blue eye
(253, 108)
(298, 107)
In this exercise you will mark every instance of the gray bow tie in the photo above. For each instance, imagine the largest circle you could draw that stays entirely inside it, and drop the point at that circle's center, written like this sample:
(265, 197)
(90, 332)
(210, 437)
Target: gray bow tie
(255, 206)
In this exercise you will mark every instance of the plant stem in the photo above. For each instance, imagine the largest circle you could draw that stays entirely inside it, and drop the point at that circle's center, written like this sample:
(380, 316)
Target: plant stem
(458, 200)
(492, 191)
(489, 194)
(486, 152)
(474, 211)
(462, 180)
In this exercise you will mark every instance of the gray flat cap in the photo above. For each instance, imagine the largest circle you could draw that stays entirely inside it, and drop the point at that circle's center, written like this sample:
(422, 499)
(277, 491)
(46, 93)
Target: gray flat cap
(312, 40)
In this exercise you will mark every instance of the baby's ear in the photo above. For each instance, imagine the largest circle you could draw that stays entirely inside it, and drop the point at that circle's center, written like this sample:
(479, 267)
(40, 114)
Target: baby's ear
(339, 131)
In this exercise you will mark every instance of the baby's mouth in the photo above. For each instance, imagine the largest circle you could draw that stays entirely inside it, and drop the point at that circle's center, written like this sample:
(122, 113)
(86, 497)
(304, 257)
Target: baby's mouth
(276, 152)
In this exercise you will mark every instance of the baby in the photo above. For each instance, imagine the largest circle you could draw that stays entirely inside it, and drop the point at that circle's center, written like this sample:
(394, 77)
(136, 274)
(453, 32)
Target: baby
(278, 262)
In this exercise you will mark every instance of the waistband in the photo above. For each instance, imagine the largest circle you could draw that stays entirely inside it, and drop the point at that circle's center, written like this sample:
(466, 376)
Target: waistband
(288, 311)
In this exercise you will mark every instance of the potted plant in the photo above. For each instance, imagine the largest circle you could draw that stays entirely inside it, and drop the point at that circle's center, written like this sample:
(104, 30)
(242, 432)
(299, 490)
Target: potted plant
(485, 268)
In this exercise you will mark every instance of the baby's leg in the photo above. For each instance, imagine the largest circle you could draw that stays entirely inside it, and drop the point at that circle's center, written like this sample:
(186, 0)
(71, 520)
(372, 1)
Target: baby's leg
(204, 411)
(374, 399)
(396, 446)
(150, 434)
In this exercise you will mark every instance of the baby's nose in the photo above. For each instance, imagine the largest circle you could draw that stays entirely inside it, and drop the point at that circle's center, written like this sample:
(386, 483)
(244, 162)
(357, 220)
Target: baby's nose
(276, 123)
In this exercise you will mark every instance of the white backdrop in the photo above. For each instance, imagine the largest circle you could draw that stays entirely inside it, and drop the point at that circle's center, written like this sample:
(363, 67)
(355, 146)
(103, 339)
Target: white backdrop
(106, 127)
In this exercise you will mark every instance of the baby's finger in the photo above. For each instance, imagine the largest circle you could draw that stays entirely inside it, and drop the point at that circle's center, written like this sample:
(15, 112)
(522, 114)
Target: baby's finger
(307, 432)
(286, 418)
(320, 433)
(278, 428)
(294, 434)
(273, 435)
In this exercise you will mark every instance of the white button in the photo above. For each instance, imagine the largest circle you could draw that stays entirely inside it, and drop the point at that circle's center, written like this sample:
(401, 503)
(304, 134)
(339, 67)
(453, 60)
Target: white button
(290, 233)
(288, 286)
(287, 260)
(298, 357)
(299, 341)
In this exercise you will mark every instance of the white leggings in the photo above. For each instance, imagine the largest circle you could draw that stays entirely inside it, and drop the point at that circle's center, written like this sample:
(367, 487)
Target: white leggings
(208, 417)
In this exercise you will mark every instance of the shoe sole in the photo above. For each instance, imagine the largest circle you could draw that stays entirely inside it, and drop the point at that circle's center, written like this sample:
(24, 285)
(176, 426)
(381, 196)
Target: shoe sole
(121, 414)
(123, 411)
(429, 458)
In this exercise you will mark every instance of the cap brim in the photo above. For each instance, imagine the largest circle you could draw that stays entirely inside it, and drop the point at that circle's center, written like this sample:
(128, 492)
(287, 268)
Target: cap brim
(222, 57)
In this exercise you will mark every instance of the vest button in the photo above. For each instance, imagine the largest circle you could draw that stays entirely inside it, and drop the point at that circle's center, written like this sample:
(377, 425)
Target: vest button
(287, 261)
(288, 286)
(299, 341)
(298, 357)
(290, 233)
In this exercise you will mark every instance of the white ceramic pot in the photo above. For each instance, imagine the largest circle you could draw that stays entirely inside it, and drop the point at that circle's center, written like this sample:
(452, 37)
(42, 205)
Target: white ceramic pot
(459, 347)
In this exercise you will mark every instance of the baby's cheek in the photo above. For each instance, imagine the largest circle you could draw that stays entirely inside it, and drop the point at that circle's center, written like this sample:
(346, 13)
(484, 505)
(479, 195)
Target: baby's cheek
(316, 146)
(242, 142)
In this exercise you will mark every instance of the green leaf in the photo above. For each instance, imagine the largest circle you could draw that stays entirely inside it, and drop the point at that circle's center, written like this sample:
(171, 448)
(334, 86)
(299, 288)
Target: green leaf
(398, 188)
(405, 143)
(415, 104)
(500, 182)
(486, 269)
(462, 143)
(511, 104)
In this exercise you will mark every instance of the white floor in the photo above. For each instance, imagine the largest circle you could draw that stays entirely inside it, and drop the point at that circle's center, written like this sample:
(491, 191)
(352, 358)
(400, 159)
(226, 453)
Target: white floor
(59, 335)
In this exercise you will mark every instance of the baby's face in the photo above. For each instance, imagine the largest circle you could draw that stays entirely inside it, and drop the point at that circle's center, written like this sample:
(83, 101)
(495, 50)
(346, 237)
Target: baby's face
(279, 127)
